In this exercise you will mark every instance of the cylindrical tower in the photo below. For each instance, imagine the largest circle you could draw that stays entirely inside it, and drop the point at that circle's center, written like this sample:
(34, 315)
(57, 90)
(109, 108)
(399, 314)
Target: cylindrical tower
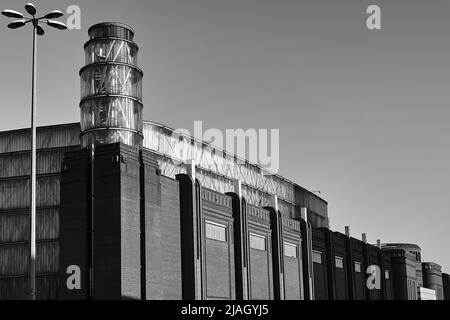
(111, 87)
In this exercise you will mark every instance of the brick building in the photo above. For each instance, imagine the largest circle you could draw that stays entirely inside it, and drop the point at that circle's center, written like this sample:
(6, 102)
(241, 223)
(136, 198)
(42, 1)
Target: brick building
(446, 285)
(120, 216)
(432, 278)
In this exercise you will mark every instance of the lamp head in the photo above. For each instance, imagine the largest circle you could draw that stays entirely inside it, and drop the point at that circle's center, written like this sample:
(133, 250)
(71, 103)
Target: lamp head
(12, 14)
(31, 9)
(17, 24)
(57, 24)
(53, 14)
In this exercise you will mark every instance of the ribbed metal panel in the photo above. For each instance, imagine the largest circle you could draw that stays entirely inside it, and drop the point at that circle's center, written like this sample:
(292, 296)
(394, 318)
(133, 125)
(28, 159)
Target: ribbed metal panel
(52, 143)
(16, 288)
(14, 193)
(14, 225)
(47, 137)
(18, 164)
(14, 258)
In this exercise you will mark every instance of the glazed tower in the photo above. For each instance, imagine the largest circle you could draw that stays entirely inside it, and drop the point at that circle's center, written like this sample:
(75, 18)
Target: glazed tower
(111, 87)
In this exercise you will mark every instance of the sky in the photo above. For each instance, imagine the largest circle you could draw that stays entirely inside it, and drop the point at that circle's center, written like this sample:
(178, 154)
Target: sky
(363, 114)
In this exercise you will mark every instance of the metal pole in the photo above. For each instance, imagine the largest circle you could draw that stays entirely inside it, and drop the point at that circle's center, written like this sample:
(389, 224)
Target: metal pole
(91, 235)
(32, 260)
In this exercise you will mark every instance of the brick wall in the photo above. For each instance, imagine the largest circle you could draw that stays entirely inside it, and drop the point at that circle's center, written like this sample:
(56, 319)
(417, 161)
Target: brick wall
(260, 264)
(446, 285)
(359, 277)
(162, 238)
(218, 254)
(293, 277)
(341, 273)
(321, 269)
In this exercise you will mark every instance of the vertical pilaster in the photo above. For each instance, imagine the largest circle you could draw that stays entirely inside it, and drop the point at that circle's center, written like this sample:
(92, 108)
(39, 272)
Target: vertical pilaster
(190, 218)
(74, 226)
(366, 264)
(150, 193)
(331, 253)
(277, 250)
(240, 242)
(117, 273)
(308, 270)
(350, 264)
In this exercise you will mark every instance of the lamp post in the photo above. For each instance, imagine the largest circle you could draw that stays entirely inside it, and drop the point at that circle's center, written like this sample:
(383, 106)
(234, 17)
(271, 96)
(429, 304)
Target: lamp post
(39, 30)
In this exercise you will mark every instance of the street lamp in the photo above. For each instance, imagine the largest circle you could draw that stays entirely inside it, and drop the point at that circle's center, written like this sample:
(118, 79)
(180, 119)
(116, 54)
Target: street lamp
(39, 30)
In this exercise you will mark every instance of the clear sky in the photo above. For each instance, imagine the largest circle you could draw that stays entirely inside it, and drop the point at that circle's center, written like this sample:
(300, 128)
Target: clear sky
(363, 115)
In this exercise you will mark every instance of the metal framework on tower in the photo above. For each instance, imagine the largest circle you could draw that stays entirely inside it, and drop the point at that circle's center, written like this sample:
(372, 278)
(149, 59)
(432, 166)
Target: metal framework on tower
(111, 87)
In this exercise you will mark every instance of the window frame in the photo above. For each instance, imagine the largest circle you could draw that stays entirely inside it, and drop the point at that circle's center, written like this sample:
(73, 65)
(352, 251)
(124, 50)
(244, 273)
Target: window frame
(359, 264)
(316, 253)
(257, 236)
(341, 262)
(291, 245)
(217, 226)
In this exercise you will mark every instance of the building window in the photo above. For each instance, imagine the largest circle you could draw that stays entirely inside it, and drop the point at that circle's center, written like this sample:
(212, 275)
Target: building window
(339, 262)
(257, 242)
(358, 267)
(215, 231)
(317, 256)
(290, 250)
(386, 274)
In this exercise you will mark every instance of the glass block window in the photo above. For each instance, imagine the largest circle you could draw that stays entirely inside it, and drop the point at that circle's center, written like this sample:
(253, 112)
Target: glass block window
(215, 231)
(339, 261)
(317, 256)
(290, 250)
(358, 267)
(257, 242)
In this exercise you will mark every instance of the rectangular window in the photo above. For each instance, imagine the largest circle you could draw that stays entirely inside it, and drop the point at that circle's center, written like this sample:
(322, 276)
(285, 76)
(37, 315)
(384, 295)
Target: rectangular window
(317, 256)
(215, 231)
(257, 242)
(386, 274)
(290, 250)
(339, 262)
(358, 267)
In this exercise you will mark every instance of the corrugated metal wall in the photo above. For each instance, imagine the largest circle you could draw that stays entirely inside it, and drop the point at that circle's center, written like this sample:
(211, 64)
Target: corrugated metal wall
(59, 136)
(52, 142)
(18, 164)
(14, 225)
(14, 258)
(15, 193)
(13, 288)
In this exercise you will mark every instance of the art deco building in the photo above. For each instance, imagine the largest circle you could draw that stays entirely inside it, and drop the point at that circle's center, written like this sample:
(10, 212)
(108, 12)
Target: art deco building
(121, 216)
(114, 200)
